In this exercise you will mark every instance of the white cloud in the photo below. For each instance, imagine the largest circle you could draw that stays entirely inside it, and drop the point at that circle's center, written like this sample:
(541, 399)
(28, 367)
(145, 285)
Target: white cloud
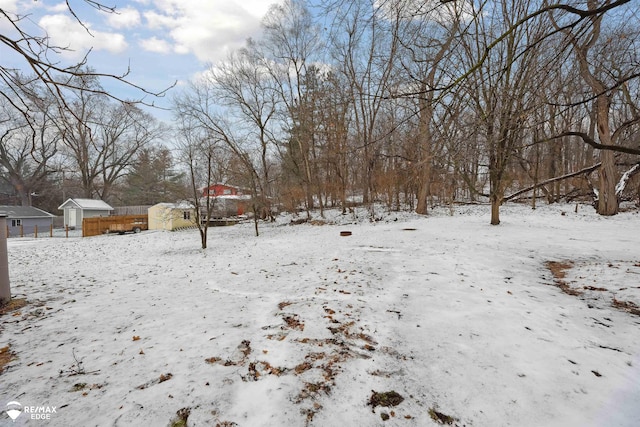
(155, 44)
(207, 28)
(66, 32)
(18, 6)
(58, 8)
(9, 5)
(158, 21)
(124, 18)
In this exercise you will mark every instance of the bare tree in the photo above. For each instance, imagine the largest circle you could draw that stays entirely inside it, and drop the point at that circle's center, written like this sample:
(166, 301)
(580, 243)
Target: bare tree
(199, 152)
(427, 37)
(603, 73)
(502, 87)
(41, 62)
(101, 137)
(201, 116)
(126, 131)
(291, 43)
(365, 45)
(25, 155)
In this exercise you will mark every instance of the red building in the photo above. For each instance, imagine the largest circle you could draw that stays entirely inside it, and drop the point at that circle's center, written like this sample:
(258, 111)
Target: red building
(217, 190)
(230, 201)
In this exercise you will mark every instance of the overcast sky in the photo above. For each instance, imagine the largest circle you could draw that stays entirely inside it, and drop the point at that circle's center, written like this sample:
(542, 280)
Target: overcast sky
(162, 40)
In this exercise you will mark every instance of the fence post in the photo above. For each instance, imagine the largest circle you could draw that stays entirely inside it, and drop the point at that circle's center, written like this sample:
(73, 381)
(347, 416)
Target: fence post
(35, 230)
(5, 286)
(66, 230)
(22, 231)
(51, 230)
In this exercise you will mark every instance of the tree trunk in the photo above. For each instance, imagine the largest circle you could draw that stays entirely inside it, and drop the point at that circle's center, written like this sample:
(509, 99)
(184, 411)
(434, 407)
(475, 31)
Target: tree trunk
(425, 149)
(423, 194)
(495, 209)
(203, 238)
(607, 199)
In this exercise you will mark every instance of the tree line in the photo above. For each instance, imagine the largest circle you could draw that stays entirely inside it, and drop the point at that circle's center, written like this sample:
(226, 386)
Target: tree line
(401, 102)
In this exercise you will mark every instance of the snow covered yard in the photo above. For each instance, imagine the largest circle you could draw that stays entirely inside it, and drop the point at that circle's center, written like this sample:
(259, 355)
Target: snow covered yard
(409, 321)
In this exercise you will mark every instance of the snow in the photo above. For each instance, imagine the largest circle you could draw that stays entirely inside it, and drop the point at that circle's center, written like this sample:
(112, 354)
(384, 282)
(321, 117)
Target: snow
(300, 326)
(90, 204)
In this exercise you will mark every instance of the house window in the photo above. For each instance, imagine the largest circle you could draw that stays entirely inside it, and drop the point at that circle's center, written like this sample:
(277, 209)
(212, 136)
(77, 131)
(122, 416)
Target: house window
(227, 192)
(212, 192)
(186, 215)
(16, 222)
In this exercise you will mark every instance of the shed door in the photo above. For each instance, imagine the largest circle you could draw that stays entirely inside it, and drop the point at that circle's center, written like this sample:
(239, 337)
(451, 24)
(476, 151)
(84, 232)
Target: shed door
(72, 217)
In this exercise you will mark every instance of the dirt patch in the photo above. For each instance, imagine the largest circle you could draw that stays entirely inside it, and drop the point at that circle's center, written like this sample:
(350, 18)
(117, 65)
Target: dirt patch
(627, 306)
(284, 304)
(13, 305)
(386, 399)
(598, 296)
(293, 322)
(559, 268)
(180, 420)
(441, 418)
(162, 378)
(256, 370)
(594, 288)
(6, 356)
(323, 360)
(559, 271)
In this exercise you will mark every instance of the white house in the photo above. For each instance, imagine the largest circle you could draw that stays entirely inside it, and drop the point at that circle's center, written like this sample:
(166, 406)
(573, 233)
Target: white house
(75, 210)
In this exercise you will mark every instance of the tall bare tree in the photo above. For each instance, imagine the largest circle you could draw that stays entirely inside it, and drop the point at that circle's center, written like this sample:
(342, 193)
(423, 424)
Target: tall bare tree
(101, 137)
(203, 118)
(365, 44)
(502, 87)
(605, 68)
(26, 152)
(292, 45)
(200, 153)
(427, 36)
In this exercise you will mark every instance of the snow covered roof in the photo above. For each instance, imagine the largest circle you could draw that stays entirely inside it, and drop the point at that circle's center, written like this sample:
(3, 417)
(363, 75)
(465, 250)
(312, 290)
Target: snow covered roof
(179, 205)
(234, 197)
(89, 204)
(24, 212)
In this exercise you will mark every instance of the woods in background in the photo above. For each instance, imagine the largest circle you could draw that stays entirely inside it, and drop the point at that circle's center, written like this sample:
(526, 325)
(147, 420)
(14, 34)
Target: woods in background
(408, 103)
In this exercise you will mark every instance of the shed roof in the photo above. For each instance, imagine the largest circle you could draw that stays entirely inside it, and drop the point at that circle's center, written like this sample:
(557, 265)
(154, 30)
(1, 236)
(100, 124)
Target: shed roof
(89, 204)
(24, 212)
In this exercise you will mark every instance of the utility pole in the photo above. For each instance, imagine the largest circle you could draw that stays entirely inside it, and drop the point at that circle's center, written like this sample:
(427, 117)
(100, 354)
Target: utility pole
(5, 288)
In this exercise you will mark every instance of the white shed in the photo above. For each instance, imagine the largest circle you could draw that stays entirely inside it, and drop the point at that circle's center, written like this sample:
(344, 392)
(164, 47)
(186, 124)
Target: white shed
(171, 216)
(75, 210)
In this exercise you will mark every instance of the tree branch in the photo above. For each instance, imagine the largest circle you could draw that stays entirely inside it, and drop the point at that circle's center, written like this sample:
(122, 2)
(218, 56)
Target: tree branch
(590, 141)
(551, 180)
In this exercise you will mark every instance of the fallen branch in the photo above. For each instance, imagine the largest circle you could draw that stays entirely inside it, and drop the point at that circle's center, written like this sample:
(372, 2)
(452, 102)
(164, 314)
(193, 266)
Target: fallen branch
(622, 184)
(550, 180)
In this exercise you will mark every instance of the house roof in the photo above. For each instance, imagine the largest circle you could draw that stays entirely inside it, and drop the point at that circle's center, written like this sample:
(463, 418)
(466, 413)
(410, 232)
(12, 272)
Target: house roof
(180, 205)
(24, 212)
(89, 204)
(234, 197)
(221, 184)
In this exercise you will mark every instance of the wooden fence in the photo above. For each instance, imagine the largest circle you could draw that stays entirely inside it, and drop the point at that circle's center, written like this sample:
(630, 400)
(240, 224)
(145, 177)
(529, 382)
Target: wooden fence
(104, 224)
